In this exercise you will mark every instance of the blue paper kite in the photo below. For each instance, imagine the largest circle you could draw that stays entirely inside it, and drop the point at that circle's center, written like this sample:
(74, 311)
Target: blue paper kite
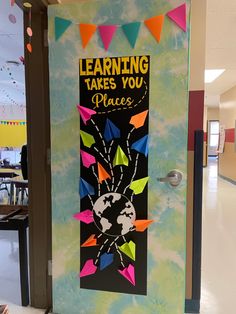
(106, 259)
(141, 145)
(85, 188)
(111, 131)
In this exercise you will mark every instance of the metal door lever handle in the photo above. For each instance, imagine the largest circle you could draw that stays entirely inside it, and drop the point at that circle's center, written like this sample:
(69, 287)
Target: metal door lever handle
(174, 178)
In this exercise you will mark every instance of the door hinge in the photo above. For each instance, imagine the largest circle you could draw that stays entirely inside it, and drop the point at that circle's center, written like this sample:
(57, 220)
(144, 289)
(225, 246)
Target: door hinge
(49, 268)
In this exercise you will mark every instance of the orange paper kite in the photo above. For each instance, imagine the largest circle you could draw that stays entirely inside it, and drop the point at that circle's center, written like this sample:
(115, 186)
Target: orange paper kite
(138, 120)
(142, 225)
(86, 33)
(91, 241)
(102, 174)
(154, 25)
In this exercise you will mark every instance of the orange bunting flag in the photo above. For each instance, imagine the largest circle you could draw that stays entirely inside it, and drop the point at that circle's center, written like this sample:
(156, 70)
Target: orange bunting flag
(91, 241)
(102, 174)
(142, 225)
(138, 120)
(86, 33)
(154, 24)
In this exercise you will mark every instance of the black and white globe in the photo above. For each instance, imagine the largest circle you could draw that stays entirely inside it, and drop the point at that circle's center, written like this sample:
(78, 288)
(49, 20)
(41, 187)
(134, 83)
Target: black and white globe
(114, 214)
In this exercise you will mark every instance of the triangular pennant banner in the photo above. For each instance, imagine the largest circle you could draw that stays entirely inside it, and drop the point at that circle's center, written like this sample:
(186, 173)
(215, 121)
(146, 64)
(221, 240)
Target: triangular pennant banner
(61, 26)
(111, 131)
(141, 145)
(178, 15)
(131, 31)
(86, 33)
(85, 113)
(106, 33)
(102, 174)
(154, 24)
(120, 158)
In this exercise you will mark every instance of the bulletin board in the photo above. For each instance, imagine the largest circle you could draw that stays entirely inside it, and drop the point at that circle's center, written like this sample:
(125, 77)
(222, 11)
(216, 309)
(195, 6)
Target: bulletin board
(118, 90)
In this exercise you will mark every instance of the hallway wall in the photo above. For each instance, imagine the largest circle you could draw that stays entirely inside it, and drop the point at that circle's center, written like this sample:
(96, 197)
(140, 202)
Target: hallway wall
(227, 160)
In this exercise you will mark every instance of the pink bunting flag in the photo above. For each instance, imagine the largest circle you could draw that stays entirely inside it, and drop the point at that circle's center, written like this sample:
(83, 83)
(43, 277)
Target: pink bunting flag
(128, 273)
(178, 15)
(88, 269)
(85, 216)
(87, 159)
(106, 33)
(85, 113)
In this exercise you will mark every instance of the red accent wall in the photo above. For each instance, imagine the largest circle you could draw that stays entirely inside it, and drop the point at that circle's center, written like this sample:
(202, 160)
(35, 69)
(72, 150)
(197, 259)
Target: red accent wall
(195, 115)
(230, 135)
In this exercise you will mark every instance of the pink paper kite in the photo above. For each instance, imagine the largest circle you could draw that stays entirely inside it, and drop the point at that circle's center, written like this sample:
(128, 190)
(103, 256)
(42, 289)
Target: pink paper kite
(88, 269)
(86, 216)
(85, 113)
(87, 159)
(128, 273)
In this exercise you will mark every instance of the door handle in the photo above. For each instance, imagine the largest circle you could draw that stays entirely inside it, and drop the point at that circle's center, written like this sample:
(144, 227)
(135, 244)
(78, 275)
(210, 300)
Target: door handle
(174, 178)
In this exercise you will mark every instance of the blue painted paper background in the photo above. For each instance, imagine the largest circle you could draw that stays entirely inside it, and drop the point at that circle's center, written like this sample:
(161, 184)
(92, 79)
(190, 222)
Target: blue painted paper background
(167, 146)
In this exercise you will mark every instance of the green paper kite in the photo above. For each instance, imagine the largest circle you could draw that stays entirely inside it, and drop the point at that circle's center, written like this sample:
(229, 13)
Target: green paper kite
(128, 249)
(139, 185)
(87, 139)
(120, 158)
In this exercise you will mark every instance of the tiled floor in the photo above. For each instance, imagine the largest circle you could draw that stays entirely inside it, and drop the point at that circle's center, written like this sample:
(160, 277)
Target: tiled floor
(218, 262)
(219, 244)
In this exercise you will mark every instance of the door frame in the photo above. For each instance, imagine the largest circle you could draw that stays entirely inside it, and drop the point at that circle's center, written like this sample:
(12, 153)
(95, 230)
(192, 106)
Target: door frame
(38, 140)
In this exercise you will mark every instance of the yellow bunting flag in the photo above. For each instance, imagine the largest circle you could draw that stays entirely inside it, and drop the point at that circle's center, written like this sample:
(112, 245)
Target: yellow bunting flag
(86, 33)
(154, 25)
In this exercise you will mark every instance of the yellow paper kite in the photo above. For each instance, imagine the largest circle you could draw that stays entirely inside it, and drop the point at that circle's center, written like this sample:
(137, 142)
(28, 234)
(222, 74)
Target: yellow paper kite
(139, 185)
(87, 139)
(129, 249)
(120, 158)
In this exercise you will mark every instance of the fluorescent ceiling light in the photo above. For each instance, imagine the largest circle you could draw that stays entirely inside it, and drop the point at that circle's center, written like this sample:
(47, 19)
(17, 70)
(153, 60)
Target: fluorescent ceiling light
(212, 75)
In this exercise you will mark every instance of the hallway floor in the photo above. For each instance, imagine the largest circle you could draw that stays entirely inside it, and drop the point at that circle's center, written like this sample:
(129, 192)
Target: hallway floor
(218, 244)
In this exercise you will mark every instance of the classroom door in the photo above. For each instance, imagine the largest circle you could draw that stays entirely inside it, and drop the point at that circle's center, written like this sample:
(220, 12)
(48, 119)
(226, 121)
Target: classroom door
(119, 99)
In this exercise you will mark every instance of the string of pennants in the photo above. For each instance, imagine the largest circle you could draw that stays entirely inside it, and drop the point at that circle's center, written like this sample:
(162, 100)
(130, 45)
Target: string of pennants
(130, 30)
(3, 122)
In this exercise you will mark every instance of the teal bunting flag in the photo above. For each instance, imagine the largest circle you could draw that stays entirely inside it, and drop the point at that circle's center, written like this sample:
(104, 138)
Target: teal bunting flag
(61, 26)
(131, 32)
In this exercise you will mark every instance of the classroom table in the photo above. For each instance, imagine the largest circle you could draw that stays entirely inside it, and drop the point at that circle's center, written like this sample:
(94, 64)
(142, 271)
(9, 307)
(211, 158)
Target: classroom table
(16, 218)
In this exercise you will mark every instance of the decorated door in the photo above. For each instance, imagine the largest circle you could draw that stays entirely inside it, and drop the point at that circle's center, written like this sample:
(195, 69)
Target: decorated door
(118, 82)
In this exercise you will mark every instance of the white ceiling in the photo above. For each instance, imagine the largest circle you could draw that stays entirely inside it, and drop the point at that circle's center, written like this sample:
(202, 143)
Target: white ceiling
(12, 77)
(220, 47)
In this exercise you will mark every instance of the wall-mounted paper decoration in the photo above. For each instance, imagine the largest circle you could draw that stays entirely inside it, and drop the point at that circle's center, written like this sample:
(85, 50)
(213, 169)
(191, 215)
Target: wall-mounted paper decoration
(88, 269)
(91, 241)
(61, 25)
(102, 174)
(86, 33)
(129, 273)
(120, 158)
(139, 119)
(107, 32)
(10, 122)
(85, 188)
(106, 259)
(129, 249)
(155, 25)
(87, 159)
(111, 131)
(141, 145)
(178, 15)
(85, 113)
(142, 225)
(87, 139)
(139, 185)
(131, 31)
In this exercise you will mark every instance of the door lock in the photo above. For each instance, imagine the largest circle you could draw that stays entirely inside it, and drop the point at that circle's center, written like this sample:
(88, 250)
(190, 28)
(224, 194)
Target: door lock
(173, 178)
